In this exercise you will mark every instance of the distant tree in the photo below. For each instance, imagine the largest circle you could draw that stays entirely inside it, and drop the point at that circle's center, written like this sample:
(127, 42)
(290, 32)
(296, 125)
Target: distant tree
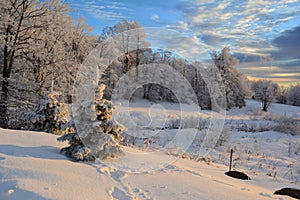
(127, 40)
(282, 95)
(129, 35)
(293, 95)
(265, 91)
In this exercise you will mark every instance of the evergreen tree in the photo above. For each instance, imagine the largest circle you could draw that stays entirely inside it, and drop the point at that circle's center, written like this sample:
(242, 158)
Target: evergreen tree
(96, 135)
(50, 116)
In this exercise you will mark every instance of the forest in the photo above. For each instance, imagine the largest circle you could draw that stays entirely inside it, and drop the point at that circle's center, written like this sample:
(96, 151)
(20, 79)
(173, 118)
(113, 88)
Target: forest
(42, 47)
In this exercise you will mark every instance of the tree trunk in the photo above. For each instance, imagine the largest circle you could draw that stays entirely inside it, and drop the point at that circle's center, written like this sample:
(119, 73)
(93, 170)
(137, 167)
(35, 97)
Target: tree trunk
(9, 56)
(3, 112)
(265, 107)
(7, 67)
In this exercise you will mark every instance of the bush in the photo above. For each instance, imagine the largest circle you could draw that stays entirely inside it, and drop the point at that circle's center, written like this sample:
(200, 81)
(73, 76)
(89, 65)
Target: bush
(188, 122)
(287, 125)
(254, 126)
(224, 137)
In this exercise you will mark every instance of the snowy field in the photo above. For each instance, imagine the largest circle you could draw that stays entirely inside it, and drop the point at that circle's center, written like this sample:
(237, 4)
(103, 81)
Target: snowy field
(31, 166)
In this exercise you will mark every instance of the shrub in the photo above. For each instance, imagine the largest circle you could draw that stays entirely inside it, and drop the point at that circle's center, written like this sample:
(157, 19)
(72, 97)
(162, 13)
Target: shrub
(287, 125)
(188, 122)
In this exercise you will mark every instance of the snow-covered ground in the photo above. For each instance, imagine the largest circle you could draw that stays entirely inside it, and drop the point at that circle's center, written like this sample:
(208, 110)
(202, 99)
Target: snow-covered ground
(31, 166)
(264, 143)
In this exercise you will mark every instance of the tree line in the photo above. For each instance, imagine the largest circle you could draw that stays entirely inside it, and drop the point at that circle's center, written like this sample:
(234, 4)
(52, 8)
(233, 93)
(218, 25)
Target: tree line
(41, 48)
(268, 92)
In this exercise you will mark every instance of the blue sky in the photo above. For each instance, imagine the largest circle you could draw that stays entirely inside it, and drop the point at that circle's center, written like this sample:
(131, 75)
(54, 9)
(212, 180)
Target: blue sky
(263, 34)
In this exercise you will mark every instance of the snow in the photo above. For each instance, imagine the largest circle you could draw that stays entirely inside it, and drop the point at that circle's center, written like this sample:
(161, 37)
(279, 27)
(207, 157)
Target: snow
(31, 166)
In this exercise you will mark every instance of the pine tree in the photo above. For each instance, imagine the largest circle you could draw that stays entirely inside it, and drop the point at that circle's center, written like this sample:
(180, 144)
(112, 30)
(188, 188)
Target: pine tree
(51, 116)
(96, 135)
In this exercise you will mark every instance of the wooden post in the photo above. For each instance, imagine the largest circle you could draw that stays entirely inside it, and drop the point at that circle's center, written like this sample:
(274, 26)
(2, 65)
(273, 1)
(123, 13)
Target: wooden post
(52, 86)
(230, 163)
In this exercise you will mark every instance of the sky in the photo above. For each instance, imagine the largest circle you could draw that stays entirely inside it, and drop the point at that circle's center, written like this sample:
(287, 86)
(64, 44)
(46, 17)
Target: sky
(263, 34)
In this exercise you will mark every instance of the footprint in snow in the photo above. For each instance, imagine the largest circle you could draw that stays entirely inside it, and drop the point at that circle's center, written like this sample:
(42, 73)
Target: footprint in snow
(116, 193)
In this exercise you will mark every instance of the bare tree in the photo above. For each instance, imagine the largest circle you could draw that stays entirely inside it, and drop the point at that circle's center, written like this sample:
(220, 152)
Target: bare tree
(293, 95)
(17, 20)
(129, 42)
(234, 81)
(282, 95)
(40, 45)
(265, 91)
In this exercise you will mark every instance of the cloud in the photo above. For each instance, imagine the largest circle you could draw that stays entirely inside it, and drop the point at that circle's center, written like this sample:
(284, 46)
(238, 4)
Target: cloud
(180, 26)
(288, 44)
(190, 48)
(255, 31)
(183, 25)
(239, 24)
(155, 18)
(103, 10)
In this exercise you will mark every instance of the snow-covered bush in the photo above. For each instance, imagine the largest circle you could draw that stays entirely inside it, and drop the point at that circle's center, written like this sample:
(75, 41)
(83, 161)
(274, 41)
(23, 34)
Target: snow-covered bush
(224, 137)
(50, 116)
(188, 122)
(254, 126)
(287, 125)
(96, 135)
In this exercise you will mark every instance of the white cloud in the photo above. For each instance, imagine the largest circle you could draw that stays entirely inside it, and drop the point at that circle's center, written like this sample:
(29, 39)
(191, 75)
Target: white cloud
(104, 10)
(186, 46)
(155, 18)
(180, 26)
(183, 25)
(239, 24)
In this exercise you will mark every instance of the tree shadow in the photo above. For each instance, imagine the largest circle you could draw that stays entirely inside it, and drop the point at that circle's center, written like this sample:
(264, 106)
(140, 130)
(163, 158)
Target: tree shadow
(292, 192)
(238, 175)
(42, 152)
(10, 191)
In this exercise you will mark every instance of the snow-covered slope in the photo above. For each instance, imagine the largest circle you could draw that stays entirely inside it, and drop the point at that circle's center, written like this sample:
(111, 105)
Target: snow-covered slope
(264, 143)
(31, 167)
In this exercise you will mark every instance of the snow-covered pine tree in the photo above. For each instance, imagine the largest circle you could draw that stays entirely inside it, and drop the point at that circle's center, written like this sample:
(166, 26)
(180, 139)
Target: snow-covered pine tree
(50, 116)
(96, 135)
